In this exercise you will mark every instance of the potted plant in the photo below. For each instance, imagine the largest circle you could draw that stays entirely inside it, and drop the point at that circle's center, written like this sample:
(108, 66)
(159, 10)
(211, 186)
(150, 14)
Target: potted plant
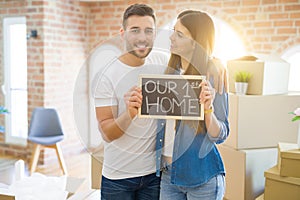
(2, 111)
(241, 82)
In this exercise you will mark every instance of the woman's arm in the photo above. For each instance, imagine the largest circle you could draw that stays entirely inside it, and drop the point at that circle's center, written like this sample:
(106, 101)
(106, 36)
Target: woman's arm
(215, 112)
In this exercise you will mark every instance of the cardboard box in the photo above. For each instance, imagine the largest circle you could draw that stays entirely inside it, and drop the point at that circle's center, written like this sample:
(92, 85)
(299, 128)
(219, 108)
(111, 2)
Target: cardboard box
(289, 160)
(96, 164)
(245, 171)
(270, 75)
(7, 196)
(261, 197)
(258, 121)
(278, 187)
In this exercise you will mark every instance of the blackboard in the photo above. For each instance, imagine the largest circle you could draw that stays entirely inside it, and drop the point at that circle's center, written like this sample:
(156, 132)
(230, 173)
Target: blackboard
(171, 96)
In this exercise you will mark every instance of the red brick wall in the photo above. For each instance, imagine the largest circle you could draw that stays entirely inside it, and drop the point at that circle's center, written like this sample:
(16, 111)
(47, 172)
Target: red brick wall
(266, 26)
(65, 36)
(54, 59)
(9, 9)
(68, 30)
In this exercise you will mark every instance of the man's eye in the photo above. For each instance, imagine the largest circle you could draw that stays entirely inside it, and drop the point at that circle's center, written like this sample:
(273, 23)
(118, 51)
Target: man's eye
(149, 31)
(134, 30)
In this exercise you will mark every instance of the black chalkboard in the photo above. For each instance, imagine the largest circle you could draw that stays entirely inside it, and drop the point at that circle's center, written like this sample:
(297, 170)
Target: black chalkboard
(171, 96)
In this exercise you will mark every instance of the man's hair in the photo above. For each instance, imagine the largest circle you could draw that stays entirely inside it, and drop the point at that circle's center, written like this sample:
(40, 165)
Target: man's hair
(137, 9)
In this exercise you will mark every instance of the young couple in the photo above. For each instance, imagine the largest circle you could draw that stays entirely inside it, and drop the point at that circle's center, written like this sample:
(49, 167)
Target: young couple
(161, 159)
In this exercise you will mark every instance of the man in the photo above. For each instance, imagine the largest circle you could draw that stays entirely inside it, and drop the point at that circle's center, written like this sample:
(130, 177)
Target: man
(129, 148)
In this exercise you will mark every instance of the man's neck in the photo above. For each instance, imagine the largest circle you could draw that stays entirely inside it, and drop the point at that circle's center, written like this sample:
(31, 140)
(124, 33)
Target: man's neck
(131, 60)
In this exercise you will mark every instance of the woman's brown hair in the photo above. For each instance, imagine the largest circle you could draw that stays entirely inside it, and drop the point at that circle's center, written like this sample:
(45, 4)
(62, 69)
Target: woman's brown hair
(202, 30)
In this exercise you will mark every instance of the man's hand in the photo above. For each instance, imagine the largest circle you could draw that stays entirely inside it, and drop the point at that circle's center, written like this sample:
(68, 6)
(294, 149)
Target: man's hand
(219, 73)
(133, 100)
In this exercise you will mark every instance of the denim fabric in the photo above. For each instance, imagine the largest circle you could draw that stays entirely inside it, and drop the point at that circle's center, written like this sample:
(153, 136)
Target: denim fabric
(138, 188)
(196, 158)
(214, 189)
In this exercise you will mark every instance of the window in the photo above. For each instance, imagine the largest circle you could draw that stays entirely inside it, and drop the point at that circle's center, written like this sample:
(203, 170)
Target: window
(228, 44)
(292, 56)
(15, 79)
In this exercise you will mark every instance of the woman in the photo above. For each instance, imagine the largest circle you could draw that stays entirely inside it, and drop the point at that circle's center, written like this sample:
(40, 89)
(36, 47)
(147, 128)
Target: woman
(192, 167)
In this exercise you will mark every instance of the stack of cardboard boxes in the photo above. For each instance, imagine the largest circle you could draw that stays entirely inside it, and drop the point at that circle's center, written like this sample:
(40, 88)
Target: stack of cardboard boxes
(283, 180)
(258, 122)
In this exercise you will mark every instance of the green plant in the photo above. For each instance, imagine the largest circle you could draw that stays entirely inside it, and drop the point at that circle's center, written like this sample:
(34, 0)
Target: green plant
(2, 111)
(242, 76)
(296, 114)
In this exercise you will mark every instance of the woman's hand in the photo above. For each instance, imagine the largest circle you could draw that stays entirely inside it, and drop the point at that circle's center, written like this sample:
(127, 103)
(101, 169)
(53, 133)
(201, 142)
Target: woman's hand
(207, 94)
(133, 100)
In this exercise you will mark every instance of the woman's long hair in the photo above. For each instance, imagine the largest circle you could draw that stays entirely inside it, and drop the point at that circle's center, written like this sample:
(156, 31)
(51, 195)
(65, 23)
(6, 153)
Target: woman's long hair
(202, 30)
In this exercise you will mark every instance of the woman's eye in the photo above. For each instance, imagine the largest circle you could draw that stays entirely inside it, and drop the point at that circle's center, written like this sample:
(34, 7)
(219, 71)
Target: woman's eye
(179, 34)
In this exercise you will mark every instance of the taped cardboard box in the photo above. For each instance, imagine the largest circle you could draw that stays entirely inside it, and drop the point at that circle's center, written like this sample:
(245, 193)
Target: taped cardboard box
(278, 187)
(96, 164)
(261, 121)
(289, 160)
(245, 171)
(270, 75)
(6, 196)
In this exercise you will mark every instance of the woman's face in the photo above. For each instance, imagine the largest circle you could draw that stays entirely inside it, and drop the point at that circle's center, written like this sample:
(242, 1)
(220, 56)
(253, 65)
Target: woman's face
(181, 41)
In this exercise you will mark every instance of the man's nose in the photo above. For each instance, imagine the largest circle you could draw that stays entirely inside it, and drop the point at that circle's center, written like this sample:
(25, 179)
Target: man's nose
(142, 35)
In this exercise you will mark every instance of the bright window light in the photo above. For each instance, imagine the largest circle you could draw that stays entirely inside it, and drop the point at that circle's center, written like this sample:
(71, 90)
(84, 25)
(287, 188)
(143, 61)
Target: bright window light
(292, 56)
(228, 44)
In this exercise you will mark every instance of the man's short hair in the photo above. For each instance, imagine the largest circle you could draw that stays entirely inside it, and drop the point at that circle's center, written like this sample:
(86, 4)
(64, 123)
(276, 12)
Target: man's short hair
(137, 9)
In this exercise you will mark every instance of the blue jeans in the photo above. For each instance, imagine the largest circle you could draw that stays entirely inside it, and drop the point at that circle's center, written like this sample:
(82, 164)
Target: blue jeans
(214, 189)
(138, 188)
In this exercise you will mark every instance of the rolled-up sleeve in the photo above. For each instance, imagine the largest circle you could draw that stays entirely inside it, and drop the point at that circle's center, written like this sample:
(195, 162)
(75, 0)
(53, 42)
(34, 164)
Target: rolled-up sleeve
(221, 113)
(103, 91)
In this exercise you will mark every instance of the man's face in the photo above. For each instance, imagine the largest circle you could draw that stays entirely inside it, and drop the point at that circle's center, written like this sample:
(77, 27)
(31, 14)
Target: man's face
(139, 35)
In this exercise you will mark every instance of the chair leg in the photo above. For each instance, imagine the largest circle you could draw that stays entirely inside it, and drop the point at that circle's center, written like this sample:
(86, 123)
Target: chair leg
(34, 157)
(61, 158)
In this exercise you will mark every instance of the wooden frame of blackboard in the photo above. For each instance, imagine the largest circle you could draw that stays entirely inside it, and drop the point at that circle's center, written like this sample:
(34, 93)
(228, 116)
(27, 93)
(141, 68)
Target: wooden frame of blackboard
(186, 78)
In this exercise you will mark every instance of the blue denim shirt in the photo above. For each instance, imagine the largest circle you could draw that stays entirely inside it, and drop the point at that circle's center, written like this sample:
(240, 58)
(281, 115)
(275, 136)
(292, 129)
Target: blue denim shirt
(196, 158)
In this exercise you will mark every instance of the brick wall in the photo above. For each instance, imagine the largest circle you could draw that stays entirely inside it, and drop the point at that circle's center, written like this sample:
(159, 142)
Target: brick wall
(266, 26)
(9, 9)
(54, 59)
(69, 30)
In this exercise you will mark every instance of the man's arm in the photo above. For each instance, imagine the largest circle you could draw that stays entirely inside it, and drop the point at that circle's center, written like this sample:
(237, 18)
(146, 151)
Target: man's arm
(113, 126)
(110, 127)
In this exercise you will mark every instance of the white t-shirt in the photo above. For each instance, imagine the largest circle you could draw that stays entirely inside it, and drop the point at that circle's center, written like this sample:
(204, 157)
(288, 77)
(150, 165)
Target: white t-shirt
(169, 138)
(133, 154)
(170, 135)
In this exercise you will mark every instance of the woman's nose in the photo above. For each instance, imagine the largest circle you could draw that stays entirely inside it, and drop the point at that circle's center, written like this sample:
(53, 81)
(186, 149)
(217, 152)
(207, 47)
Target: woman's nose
(172, 37)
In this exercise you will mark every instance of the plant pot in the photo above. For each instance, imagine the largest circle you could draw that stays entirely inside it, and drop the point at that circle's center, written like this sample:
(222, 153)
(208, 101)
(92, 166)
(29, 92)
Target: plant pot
(298, 139)
(241, 88)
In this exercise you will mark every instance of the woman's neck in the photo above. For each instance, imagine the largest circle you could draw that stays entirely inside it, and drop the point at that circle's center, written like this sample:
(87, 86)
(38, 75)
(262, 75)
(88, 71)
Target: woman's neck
(184, 64)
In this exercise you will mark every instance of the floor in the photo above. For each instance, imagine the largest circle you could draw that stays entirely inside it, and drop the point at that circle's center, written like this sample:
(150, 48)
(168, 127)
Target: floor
(77, 165)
